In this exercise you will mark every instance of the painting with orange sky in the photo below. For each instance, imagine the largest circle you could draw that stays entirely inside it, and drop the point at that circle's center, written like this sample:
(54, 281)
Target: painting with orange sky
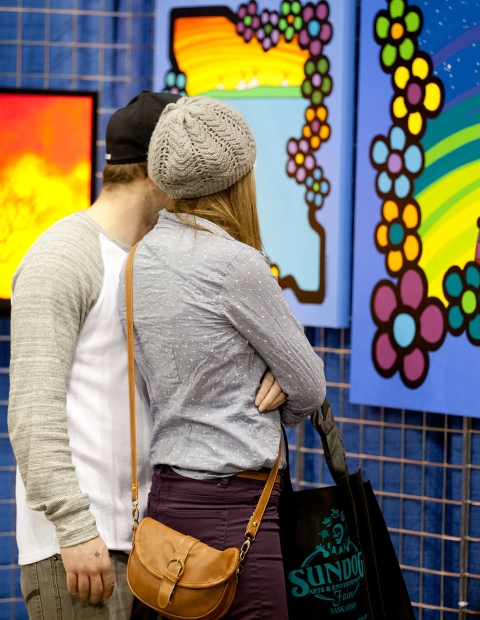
(289, 69)
(45, 168)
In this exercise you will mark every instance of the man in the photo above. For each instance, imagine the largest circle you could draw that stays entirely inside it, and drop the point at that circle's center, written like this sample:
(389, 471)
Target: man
(68, 408)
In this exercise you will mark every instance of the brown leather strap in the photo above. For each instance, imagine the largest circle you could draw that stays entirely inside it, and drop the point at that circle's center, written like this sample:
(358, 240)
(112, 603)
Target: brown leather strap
(131, 376)
(258, 475)
(256, 519)
(172, 575)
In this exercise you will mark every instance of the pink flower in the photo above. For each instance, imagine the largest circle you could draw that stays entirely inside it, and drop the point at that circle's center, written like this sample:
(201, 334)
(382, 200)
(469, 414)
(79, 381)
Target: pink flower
(410, 324)
(317, 30)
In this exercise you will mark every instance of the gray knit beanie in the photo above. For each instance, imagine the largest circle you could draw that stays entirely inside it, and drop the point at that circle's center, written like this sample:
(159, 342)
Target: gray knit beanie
(200, 146)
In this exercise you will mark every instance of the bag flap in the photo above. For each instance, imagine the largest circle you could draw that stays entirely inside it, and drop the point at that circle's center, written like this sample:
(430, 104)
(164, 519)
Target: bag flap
(155, 545)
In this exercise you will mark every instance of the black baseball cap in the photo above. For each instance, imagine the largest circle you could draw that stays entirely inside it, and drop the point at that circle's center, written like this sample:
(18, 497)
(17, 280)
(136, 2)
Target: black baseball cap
(130, 128)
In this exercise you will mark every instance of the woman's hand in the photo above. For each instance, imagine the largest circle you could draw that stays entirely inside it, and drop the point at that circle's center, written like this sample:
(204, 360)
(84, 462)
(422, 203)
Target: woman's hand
(270, 395)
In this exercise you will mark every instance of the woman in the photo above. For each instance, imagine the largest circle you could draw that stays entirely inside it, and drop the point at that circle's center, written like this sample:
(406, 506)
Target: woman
(210, 319)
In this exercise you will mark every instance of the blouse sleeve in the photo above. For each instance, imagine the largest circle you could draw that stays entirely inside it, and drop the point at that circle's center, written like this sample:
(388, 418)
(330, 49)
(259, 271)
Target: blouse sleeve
(254, 304)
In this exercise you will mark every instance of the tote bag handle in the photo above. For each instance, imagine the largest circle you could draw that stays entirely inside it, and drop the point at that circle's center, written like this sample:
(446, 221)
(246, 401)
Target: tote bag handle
(324, 423)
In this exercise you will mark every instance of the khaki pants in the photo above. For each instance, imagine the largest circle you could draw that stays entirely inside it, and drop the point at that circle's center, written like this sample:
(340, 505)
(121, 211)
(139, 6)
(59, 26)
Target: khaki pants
(44, 589)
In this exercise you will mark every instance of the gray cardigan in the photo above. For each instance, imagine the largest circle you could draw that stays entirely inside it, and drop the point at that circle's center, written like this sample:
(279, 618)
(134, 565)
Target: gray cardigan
(210, 318)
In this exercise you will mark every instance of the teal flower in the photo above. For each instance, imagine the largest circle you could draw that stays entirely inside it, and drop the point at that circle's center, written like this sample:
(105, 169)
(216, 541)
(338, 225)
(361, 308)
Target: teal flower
(317, 188)
(462, 290)
(176, 83)
(396, 30)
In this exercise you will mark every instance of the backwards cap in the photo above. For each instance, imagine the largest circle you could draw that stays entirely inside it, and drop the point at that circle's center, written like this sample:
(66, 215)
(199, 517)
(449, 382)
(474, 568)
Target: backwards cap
(130, 128)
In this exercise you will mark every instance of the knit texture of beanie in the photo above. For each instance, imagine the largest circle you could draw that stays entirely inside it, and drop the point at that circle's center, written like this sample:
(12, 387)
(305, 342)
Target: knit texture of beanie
(200, 146)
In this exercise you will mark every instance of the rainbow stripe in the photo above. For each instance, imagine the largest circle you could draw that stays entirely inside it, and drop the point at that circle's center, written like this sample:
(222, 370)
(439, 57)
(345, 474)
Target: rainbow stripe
(448, 191)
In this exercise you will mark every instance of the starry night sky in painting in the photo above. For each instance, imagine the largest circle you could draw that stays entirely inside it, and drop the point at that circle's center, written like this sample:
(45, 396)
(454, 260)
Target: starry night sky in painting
(451, 36)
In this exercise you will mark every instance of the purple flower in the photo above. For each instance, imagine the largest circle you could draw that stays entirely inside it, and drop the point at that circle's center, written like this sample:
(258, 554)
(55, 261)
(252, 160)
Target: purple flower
(268, 34)
(317, 30)
(249, 20)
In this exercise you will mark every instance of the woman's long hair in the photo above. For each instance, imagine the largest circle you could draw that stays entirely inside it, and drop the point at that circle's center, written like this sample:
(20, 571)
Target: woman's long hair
(234, 209)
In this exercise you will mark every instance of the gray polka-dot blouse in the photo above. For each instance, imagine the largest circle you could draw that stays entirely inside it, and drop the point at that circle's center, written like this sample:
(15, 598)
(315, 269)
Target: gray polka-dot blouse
(210, 318)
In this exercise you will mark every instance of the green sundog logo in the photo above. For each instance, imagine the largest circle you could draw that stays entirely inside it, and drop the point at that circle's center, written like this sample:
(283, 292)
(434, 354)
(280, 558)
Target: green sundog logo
(334, 570)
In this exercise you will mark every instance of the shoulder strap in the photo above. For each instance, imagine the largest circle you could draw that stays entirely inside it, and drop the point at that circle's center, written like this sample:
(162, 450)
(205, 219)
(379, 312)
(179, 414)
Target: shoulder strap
(131, 382)
(256, 519)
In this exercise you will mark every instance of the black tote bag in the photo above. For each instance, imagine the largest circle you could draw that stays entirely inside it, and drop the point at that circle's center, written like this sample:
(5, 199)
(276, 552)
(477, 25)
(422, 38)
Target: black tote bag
(338, 555)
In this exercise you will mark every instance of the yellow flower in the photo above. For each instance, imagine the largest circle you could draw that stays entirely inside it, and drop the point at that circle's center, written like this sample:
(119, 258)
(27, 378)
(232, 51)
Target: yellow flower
(419, 95)
(396, 235)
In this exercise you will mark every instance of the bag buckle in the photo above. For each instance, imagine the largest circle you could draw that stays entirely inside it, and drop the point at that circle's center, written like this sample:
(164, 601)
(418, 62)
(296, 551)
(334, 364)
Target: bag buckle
(135, 515)
(244, 549)
(177, 561)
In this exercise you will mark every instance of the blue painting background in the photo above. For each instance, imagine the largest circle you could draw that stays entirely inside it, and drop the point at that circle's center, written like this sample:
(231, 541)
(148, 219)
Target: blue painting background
(289, 241)
(451, 384)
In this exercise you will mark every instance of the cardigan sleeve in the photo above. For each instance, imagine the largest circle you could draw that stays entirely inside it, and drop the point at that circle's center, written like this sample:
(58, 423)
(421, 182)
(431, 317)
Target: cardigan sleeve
(54, 288)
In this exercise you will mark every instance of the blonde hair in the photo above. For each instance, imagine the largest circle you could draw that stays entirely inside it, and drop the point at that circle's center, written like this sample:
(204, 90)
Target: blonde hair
(234, 209)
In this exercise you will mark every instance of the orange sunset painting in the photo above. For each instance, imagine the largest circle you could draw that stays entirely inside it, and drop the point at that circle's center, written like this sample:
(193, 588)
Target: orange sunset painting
(45, 168)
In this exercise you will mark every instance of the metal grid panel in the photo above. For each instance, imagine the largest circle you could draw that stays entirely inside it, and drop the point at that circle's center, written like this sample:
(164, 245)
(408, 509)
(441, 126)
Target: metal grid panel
(11, 604)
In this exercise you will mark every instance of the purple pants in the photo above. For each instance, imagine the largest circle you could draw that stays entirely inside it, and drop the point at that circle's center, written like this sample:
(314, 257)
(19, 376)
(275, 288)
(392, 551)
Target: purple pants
(217, 512)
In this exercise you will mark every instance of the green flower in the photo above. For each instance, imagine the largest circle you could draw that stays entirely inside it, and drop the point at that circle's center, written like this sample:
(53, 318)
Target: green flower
(317, 83)
(291, 20)
(396, 31)
(462, 291)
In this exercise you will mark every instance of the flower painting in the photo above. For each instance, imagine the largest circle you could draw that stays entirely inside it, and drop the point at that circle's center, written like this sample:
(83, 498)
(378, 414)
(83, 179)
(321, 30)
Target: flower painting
(416, 308)
(288, 67)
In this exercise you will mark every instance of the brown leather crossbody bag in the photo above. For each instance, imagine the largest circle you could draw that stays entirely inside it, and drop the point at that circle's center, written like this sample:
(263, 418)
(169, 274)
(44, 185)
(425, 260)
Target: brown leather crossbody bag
(178, 575)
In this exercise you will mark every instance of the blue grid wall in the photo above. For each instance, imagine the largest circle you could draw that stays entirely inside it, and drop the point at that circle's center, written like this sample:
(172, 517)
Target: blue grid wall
(11, 605)
(424, 467)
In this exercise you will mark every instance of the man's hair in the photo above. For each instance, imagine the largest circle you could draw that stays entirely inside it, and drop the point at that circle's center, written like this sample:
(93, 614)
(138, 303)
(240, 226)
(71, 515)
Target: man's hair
(121, 174)
(234, 209)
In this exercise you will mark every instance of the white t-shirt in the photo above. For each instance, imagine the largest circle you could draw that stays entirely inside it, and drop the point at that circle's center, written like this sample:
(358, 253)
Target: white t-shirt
(97, 408)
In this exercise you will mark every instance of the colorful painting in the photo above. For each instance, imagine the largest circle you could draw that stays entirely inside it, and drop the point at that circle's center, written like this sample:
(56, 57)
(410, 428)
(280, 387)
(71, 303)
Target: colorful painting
(416, 309)
(46, 146)
(288, 67)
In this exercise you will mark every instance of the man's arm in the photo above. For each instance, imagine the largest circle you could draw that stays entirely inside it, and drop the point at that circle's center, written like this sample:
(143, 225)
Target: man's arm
(52, 294)
(54, 288)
